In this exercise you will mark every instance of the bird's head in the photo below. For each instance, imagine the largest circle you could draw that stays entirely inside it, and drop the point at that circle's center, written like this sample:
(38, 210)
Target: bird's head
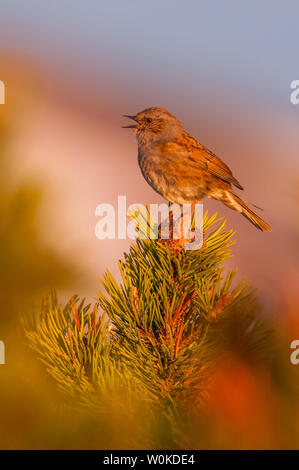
(155, 125)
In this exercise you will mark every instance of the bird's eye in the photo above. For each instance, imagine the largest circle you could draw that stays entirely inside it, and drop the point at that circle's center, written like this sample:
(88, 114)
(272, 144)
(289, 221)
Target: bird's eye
(148, 120)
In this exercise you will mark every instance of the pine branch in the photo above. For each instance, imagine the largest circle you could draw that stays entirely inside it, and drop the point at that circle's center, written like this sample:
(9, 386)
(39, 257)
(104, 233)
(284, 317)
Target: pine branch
(160, 332)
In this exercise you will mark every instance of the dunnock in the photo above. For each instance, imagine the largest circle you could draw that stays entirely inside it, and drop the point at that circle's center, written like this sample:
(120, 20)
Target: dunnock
(181, 169)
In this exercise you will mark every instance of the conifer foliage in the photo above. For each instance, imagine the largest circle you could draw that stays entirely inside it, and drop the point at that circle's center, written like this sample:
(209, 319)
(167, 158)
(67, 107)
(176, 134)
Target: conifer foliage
(156, 337)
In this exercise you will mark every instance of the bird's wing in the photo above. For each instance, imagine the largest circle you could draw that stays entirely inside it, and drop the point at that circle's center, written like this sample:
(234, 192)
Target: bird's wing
(203, 157)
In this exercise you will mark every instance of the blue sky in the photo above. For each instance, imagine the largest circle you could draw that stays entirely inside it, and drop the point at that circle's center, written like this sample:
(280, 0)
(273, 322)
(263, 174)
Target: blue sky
(252, 46)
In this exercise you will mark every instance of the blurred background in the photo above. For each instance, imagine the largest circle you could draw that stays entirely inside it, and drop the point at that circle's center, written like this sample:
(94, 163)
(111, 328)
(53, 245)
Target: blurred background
(71, 70)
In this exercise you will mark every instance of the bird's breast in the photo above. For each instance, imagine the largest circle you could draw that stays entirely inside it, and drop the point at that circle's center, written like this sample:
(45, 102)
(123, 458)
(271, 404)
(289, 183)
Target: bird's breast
(150, 165)
(172, 175)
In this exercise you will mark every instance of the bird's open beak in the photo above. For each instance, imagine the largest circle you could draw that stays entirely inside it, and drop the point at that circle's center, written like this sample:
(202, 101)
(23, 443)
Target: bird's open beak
(133, 126)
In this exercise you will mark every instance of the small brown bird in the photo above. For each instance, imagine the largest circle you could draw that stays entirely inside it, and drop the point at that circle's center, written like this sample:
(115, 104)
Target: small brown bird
(181, 169)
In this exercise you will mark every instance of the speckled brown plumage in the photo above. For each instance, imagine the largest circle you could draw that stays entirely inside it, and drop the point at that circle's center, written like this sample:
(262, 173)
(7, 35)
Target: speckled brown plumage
(182, 170)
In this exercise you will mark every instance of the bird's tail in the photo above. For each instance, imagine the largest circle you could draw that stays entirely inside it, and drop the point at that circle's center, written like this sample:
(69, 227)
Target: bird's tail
(235, 202)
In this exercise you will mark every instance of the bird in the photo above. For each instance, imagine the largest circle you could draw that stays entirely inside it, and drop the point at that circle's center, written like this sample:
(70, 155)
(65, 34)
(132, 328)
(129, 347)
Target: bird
(180, 168)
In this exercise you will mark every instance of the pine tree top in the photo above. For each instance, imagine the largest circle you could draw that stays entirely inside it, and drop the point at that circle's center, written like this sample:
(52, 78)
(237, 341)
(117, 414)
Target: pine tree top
(155, 337)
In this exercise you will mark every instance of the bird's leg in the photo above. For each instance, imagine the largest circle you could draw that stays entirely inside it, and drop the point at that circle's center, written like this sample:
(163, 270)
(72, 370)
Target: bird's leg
(193, 214)
(165, 229)
(167, 226)
(170, 211)
(179, 228)
(183, 224)
(193, 205)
